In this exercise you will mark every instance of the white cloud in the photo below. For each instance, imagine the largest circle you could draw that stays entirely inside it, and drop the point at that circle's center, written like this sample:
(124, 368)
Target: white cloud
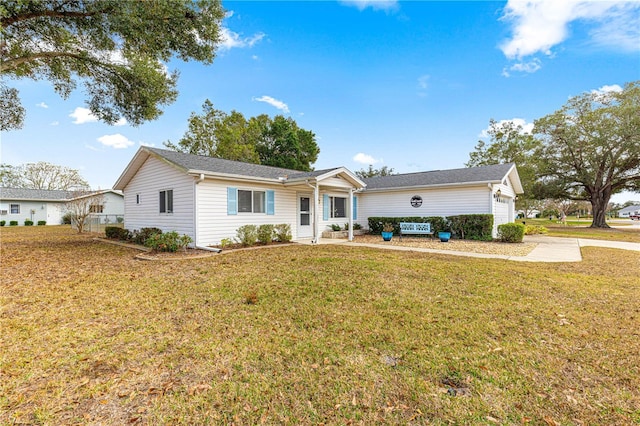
(231, 39)
(83, 115)
(607, 89)
(528, 67)
(116, 141)
(273, 102)
(42, 105)
(92, 148)
(363, 158)
(388, 5)
(539, 25)
(423, 81)
(526, 127)
(55, 123)
(149, 144)
(121, 122)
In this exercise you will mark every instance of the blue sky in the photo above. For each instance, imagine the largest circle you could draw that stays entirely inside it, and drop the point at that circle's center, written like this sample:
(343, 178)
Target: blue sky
(409, 85)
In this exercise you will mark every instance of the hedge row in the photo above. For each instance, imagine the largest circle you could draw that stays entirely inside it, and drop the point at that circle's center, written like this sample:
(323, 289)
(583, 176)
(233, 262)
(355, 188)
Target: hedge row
(467, 226)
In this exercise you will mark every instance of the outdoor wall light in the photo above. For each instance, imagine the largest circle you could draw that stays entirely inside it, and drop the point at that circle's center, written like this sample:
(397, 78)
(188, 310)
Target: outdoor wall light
(497, 194)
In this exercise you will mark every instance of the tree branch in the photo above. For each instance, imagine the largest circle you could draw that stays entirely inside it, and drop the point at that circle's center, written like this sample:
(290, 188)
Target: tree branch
(10, 20)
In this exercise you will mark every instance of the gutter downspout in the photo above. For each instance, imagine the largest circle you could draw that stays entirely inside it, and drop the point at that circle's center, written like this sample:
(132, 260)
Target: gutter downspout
(195, 210)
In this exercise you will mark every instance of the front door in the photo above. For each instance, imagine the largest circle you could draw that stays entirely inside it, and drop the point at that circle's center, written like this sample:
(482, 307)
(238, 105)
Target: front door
(305, 221)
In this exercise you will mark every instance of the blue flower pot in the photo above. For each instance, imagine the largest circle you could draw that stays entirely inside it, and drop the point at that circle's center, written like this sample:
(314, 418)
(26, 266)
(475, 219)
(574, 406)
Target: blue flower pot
(387, 236)
(444, 236)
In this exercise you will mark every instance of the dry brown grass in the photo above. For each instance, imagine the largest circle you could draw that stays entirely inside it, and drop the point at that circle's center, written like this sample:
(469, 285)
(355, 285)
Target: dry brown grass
(333, 335)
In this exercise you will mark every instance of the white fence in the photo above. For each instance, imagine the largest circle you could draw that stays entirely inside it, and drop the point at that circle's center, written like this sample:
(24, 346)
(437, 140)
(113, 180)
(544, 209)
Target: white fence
(97, 222)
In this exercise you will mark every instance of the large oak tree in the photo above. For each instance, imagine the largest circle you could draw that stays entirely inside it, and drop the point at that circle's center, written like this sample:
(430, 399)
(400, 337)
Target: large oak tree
(591, 149)
(117, 48)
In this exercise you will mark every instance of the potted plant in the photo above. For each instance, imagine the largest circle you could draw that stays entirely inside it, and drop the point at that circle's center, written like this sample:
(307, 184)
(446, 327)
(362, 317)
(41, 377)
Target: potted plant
(444, 236)
(387, 231)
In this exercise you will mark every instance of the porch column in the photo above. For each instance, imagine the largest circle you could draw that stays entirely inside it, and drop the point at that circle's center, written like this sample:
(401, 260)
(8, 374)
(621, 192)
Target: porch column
(350, 214)
(316, 207)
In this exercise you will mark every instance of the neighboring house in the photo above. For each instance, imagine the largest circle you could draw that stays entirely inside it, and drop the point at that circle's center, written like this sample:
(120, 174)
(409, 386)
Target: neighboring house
(210, 198)
(49, 205)
(629, 211)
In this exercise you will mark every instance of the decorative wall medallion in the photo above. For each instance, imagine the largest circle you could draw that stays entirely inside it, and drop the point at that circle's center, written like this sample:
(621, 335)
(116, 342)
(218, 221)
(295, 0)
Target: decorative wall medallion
(416, 201)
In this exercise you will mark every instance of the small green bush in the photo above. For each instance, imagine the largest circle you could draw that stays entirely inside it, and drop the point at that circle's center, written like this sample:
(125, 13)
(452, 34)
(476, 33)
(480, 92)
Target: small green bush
(3, 222)
(357, 226)
(535, 230)
(265, 234)
(335, 227)
(511, 232)
(143, 234)
(168, 241)
(13, 223)
(66, 218)
(117, 233)
(28, 222)
(283, 232)
(247, 235)
(42, 222)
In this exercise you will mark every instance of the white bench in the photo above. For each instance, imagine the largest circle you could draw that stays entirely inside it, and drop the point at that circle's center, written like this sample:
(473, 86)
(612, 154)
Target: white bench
(411, 228)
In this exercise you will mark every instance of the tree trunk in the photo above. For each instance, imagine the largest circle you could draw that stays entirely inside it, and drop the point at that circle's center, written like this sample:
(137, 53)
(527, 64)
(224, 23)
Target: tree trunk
(599, 203)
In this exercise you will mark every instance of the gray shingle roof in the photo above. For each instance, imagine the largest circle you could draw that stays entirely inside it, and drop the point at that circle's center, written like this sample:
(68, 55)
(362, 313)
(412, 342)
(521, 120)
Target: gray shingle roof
(493, 173)
(219, 165)
(33, 194)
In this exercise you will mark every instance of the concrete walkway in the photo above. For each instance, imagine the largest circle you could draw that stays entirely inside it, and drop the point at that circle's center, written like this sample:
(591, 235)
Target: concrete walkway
(548, 249)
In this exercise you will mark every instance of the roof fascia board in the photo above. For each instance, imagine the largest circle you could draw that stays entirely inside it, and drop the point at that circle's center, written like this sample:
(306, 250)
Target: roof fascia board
(443, 185)
(230, 176)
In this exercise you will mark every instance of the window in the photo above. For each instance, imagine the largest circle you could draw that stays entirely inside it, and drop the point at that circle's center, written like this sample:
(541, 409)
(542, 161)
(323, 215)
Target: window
(251, 201)
(166, 201)
(338, 207)
(96, 208)
(15, 208)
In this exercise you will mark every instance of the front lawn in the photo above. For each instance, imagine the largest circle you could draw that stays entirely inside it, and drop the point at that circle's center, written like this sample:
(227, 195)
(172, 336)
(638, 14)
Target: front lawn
(313, 335)
(581, 229)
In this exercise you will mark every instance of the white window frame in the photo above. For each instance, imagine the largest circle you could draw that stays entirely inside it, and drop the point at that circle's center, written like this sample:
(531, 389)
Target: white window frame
(332, 209)
(259, 207)
(165, 195)
(17, 208)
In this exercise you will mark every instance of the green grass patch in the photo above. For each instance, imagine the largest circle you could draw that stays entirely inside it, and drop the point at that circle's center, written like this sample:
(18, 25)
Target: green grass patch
(581, 229)
(332, 335)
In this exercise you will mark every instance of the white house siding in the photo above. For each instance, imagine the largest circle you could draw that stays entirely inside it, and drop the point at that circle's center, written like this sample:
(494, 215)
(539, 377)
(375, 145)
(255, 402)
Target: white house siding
(32, 210)
(213, 222)
(152, 177)
(113, 204)
(435, 202)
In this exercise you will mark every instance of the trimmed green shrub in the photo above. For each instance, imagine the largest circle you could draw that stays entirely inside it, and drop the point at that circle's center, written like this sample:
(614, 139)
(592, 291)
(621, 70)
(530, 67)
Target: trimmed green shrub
(168, 241)
(535, 230)
(117, 233)
(511, 232)
(3, 222)
(42, 222)
(265, 233)
(357, 226)
(247, 235)
(143, 234)
(472, 226)
(335, 227)
(438, 223)
(283, 232)
(13, 223)
(28, 222)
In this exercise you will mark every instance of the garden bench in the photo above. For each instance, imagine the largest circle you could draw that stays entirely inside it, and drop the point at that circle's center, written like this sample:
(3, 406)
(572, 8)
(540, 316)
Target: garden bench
(411, 228)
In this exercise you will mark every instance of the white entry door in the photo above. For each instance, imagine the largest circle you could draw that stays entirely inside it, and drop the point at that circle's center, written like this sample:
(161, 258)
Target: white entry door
(305, 220)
